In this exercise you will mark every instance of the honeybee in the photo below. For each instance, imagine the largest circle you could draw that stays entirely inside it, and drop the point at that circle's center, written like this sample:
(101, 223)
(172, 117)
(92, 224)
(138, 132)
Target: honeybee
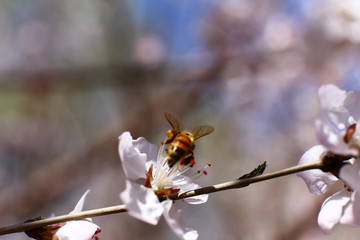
(181, 148)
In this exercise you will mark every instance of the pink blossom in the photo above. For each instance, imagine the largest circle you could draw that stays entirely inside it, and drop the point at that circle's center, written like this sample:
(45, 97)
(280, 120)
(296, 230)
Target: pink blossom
(342, 207)
(150, 177)
(316, 180)
(339, 135)
(78, 229)
(337, 129)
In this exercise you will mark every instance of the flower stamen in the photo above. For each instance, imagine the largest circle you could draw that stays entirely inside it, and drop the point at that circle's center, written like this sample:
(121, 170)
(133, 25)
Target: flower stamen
(349, 133)
(201, 172)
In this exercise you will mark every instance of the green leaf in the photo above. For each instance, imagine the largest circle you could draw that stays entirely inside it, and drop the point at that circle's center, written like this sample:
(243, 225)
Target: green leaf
(256, 172)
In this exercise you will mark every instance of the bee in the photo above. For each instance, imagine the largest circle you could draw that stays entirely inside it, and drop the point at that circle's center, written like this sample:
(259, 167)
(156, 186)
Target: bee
(181, 148)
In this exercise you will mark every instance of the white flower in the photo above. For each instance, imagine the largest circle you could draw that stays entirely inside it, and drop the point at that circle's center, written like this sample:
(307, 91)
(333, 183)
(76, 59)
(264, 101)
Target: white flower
(148, 178)
(340, 138)
(317, 181)
(342, 207)
(78, 229)
(72, 230)
(337, 130)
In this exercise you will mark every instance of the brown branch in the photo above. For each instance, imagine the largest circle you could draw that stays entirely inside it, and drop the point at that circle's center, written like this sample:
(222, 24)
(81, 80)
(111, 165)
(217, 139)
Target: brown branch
(238, 183)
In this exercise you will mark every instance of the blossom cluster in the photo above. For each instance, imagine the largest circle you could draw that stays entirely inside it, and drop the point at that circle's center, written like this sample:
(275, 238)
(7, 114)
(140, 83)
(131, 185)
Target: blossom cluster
(149, 179)
(339, 137)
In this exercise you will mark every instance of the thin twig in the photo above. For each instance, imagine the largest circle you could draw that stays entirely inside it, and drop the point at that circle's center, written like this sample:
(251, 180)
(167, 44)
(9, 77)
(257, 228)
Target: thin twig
(64, 218)
(239, 183)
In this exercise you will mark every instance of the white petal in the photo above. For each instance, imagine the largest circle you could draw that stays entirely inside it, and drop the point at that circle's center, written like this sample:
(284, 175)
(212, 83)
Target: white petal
(77, 230)
(134, 154)
(331, 97)
(332, 210)
(313, 154)
(194, 200)
(200, 199)
(142, 203)
(351, 214)
(173, 217)
(182, 180)
(351, 175)
(79, 206)
(332, 140)
(339, 110)
(332, 100)
(316, 180)
(146, 147)
(352, 103)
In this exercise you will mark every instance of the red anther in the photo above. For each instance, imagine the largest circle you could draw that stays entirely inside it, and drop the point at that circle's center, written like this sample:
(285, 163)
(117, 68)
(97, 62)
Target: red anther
(205, 172)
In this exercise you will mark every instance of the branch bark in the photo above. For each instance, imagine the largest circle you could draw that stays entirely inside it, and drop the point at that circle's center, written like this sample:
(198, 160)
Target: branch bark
(238, 183)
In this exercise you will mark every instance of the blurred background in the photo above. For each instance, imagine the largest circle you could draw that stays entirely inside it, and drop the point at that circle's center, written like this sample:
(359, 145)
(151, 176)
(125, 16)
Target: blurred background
(75, 74)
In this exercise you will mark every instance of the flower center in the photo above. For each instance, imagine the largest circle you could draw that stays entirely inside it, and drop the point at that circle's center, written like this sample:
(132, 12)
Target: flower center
(165, 180)
(351, 138)
(349, 133)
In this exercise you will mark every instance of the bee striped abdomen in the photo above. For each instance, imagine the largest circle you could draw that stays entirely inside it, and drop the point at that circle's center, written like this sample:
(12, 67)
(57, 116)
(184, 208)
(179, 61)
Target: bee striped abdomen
(178, 149)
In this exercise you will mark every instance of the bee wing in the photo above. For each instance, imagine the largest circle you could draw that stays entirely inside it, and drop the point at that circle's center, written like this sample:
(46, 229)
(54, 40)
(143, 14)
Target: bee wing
(202, 130)
(174, 121)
